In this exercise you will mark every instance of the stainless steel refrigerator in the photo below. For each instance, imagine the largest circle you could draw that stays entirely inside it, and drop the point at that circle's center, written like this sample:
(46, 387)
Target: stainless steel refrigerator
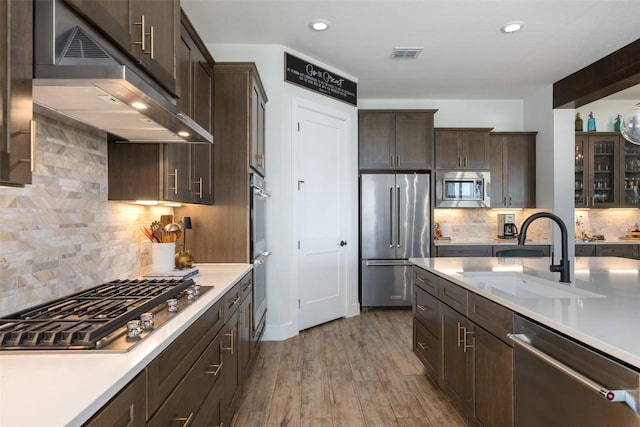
(395, 224)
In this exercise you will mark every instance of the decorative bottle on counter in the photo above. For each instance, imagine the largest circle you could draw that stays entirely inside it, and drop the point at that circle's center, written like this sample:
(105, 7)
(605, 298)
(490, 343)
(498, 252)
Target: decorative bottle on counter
(591, 123)
(578, 123)
(616, 124)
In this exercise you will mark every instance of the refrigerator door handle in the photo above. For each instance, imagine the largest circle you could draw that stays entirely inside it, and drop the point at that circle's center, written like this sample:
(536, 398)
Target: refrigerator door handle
(399, 245)
(388, 264)
(391, 217)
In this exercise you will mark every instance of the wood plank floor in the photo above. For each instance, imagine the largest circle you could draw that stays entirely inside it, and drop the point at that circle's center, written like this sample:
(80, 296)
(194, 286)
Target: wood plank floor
(351, 372)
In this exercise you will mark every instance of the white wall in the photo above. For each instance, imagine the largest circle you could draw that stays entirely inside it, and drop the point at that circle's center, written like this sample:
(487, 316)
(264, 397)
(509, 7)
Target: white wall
(282, 306)
(499, 114)
(604, 112)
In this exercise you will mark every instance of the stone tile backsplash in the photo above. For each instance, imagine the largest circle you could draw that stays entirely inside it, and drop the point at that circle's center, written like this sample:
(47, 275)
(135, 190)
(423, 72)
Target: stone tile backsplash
(482, 224)
(61, 234)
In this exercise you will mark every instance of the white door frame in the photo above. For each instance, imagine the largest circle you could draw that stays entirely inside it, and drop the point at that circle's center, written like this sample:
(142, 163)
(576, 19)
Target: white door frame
(349, 169)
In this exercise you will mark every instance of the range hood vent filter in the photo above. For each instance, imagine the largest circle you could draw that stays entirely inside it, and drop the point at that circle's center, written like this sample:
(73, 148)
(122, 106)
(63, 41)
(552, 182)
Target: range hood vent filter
(81, 46)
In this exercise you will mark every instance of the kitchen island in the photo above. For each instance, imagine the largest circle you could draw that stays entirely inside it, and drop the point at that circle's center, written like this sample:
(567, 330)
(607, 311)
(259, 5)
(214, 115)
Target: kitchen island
(605, 317)
(511, 345)
(67, 387)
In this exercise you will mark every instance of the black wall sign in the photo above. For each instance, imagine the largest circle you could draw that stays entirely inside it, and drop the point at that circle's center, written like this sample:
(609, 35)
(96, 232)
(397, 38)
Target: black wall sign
(317, 79)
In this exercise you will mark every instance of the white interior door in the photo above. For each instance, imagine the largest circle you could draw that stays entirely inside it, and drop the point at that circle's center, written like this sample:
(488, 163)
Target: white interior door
(320, 147)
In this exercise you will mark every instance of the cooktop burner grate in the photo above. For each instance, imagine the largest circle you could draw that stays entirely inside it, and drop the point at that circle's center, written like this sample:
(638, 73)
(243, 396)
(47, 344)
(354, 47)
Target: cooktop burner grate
(81, 320)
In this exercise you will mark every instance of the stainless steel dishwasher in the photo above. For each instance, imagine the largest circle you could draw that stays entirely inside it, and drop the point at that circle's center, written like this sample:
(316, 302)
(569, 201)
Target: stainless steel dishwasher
(560, 382)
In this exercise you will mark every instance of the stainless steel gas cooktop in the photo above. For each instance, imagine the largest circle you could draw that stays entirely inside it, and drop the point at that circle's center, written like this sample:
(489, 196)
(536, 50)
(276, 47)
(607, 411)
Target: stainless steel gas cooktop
(113, 316)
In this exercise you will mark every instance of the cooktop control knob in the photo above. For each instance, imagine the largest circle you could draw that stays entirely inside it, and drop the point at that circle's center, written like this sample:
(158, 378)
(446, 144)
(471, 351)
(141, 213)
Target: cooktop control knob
(191, 294)
(147, 321)
(133, 329)
(196, 289)
(173, 305)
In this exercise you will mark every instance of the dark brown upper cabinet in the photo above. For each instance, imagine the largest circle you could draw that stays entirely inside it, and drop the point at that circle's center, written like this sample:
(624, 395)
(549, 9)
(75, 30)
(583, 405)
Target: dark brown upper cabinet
(17, 128)
(513, 169)
(395, 139)
(148, 30)
(462, 148)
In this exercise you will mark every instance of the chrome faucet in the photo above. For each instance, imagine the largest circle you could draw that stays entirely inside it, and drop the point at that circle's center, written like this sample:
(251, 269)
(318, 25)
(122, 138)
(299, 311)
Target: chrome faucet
(563, 268)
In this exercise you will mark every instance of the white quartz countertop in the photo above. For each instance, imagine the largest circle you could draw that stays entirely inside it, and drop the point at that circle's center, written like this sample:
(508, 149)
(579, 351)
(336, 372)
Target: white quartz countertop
(609, 322)
(65, 388)
(496, 241)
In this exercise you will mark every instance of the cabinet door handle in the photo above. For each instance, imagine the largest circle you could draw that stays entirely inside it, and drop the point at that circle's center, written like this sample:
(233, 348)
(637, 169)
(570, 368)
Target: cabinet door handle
(465, 346)
(230, 348)
(187, 420)
(151, 44)
(459, 334)
(199, 182)
(175, 181)
(459, 162)
(423, 346)
(143, 35)
(245, 317)
(509, 200)
(32, 145)
(391, 160)
(214, 369)
(424, 307)
(465, 161)
(397, 161)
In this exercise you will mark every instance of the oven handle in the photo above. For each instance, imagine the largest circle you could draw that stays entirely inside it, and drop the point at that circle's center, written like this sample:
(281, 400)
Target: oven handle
(260, 259)
(623, 396)
(260, 192)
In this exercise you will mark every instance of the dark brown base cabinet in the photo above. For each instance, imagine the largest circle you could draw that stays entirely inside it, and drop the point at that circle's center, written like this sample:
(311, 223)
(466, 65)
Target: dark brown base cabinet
(620, 250)
(483, 250)
(197, 380)
(461, 338)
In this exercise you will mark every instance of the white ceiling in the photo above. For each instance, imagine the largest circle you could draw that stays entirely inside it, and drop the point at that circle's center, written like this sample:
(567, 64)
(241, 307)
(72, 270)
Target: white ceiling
(465, 55)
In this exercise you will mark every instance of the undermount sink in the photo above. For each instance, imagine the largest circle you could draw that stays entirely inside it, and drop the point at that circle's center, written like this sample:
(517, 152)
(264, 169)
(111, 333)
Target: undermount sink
(522, 285)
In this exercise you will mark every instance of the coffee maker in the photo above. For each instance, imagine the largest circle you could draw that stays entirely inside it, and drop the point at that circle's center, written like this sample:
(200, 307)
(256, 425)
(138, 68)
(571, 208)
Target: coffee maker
(507, 226)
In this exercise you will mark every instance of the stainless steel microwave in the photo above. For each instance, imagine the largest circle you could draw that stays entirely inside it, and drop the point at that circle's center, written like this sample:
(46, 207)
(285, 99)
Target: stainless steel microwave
(463, 189)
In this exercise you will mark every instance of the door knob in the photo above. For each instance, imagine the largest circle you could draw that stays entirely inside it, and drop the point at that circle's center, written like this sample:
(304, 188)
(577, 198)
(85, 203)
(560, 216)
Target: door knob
(342, 243)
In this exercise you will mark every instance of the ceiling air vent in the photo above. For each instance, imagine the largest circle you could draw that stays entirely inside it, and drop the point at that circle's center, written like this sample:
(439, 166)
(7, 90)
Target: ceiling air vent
(406, 52)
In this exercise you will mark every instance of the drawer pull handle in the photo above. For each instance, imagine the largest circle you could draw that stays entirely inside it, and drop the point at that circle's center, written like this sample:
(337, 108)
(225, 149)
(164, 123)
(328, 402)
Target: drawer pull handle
(423, 346)
(235, 301)
(247, 285)
(187, 420)
(424, 307)
(420, 279)
(216, 369)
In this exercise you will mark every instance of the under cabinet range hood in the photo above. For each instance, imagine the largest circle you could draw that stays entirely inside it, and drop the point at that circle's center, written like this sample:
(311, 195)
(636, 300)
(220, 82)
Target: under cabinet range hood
(80, 74)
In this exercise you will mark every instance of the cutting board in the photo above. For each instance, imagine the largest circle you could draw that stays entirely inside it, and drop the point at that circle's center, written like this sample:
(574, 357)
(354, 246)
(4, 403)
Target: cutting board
(629, 238)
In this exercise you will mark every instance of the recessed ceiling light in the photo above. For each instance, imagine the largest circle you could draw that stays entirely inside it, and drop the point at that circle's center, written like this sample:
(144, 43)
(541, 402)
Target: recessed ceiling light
(139, 105)
(183, 133)
(320, 24)
(511, 27)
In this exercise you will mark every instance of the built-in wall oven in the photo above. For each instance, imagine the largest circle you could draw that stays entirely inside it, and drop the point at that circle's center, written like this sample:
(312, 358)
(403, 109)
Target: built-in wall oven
(561, 382)
(259, 252)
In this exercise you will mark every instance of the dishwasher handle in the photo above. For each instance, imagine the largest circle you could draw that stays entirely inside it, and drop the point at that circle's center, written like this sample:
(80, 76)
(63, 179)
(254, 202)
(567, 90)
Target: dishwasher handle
(623, 396)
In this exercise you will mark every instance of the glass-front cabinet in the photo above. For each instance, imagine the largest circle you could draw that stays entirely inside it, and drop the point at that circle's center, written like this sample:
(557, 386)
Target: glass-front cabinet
(631, 164)
(597, 170)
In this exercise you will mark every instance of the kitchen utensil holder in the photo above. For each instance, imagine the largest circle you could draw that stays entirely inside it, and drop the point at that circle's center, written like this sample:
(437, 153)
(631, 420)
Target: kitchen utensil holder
(163, 257)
